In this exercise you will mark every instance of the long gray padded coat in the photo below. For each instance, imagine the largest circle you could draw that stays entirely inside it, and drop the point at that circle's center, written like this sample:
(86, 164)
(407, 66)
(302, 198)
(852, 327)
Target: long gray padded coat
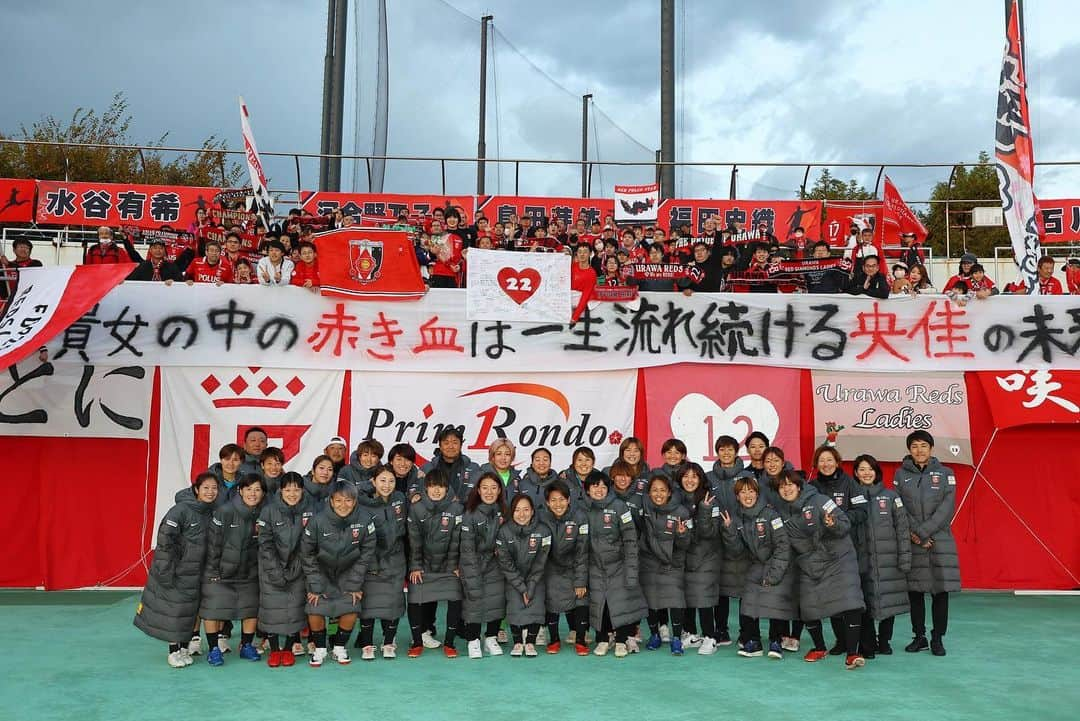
(230, 588)
(335, 553)
(384, 597)
(568, 562)
(929, 497)
(481, 577)
(703, 555)
(434, 529)
(883, 544)
(769, 588)
(613, 563)
(282, 590)
(522, 552)
(662, 553)
(733, 566)
(170, 600)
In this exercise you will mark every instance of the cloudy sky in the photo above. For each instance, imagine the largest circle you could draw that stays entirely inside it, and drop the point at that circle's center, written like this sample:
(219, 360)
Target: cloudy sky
(860, 81)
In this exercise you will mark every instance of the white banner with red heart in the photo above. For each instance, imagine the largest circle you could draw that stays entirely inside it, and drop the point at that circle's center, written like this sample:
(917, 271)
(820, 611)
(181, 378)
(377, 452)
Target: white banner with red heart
(524, 287)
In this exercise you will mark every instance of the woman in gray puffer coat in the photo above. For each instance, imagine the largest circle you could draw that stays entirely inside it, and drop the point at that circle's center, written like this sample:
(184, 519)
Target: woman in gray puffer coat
(883, 544)
(522, 547)
(481, 577)
(702, 564)
(282, 591)
(230, 587)
(828, 570)
(384, 597)
(566, 575)
(169, 605)
(664, 535)
(721, 478)
(539, 476)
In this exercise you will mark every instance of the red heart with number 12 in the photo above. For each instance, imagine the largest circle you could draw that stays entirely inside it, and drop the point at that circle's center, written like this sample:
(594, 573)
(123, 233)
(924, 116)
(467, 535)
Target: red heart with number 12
(519, 284)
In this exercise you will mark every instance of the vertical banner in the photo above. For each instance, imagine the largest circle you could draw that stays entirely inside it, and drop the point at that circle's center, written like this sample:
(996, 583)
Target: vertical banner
(698, 403)
(898, 217)
(637, 203)
(525, 287)
(263, 204)
(874, 413)
(202, 409)
(557, 411)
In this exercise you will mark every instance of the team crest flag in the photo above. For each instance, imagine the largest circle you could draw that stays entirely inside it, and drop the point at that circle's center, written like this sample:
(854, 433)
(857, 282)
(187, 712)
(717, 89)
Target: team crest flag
(369, 264)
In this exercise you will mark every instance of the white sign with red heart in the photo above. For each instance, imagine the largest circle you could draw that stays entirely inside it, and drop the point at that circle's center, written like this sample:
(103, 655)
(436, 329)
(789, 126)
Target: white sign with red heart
(524, 287)
(698, 420)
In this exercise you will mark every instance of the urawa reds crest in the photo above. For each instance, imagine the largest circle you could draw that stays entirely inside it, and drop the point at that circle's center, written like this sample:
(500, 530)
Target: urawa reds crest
(365, 259)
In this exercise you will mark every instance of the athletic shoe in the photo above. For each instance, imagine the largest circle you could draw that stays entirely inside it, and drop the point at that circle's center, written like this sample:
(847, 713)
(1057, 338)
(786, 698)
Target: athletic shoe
(341, 655)
(632, 645)
(601, 649)
(274, 659)
(310, 647)
(367, 653)
(814, 655)
(429, 640)
(194, 646)
(215, 657)
(665, 633)
(691, 640)
(541, 636)
(474, 649)
(188, 660)
(389, 651)
(288, 659)
(580, 648)
(884, 648)
(517, 650)
(937, 647)
(449, 651)
(655, 641)
(554, 648)
(789, 644)
(415, 651)
(723, 638)
(176, 659)
(298, 649)
(572, 637)
(223, 644)
(854, 661)
(750, 649)
(530, 650)
(317, 657)
(868, 655)
(503, 638)
(263, 645)
(707, 647)
(621, 650)
(917, 644)
(249, 652)
(838, 649)
(776, 650)
(676, 647)
(491, 643)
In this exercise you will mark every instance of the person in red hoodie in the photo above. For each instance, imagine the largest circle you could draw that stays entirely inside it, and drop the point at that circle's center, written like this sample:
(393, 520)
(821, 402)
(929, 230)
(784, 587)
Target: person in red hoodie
(447, 248)
(210, 269)
(306, 273)
(105, 251)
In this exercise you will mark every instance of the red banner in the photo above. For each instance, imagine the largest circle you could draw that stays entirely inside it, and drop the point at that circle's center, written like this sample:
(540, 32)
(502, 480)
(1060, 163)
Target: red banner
(499, 208)
(115, 204)
(782, 216)
(367, 264)
(840, 216)
(898, 217)
(1023, 398)
(17, 200)
(1061, 220)
(384, 206)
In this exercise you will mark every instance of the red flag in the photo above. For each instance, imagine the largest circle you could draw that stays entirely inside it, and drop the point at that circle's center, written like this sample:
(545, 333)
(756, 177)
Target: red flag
(369, 264)
(898, 217)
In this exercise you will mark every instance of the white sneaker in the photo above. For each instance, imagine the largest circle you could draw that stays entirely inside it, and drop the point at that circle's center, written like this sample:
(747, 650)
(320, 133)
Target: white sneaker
(530, 650)
(298, 649)
(665, 633)
(194, 646)
(621, 650)
(475, 650)
(188, 660)
(690, 640)
(341, 655)
(368, 654)
(223, 644)
(541, 636)
(707, 647)
(503, 638)
(317, 657)
(389, 650)
(632, 645)
(789, 644)
(176, 660)
(601, 649)
(517, 650)
(570, 637)
(311, 647)
(491, 643)
(429, 640)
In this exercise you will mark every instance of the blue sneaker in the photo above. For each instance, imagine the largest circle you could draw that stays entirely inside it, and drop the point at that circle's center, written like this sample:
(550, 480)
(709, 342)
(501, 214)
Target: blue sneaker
(676, 646)
(775, 650)
(250, 652)
(750, 649)
(215, 657)
(654, 642)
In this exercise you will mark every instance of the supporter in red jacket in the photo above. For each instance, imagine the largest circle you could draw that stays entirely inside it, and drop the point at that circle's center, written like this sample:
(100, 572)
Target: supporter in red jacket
(1048, 284)
(21, 247)
(105, 251)
(306, 272)
(967, 262)
(448, 259)
(210, 269)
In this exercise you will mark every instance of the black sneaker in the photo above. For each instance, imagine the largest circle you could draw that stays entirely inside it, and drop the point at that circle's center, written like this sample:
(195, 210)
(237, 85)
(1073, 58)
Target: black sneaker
(937, 647)
(917, 644)
(884, 648)
(723, 639)
(868, 655)
(837, 650)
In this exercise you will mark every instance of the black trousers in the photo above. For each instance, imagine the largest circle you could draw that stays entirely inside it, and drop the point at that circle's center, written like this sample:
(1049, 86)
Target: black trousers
(366, 636)
(659, 616)
(750, 629)
(524, 634)
(869, 642)
(708, 621)
(472, 630)
(621, 633)
(576, 620)
(720, 613)
(422, 618)
(939, 609)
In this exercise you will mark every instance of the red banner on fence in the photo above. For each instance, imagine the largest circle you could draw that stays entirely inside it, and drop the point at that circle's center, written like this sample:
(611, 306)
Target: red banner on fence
(841, 216)
(1030, 397)
(17, 200)
(367, 264)
(1061, 220)
(115, 204)
(384, 206)
(499, 208)
(782, 216)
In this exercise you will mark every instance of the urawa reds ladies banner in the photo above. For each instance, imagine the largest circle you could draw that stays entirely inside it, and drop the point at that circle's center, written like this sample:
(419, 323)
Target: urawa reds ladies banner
(557, 411)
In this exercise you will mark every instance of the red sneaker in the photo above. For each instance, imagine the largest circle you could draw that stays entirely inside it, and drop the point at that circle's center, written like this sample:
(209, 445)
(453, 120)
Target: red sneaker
(554, 647)
(815, 655)
(449, 651)
(415, 651)
(854, 661)
(274, 659)
(582, 649)
(288, 658)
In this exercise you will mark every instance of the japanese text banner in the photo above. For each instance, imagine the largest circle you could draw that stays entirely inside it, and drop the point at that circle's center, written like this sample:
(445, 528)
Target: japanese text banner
(142, 206)
(781, 216)
(499, 208)
(1031, 397)
(383, 206)
(205, 325)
